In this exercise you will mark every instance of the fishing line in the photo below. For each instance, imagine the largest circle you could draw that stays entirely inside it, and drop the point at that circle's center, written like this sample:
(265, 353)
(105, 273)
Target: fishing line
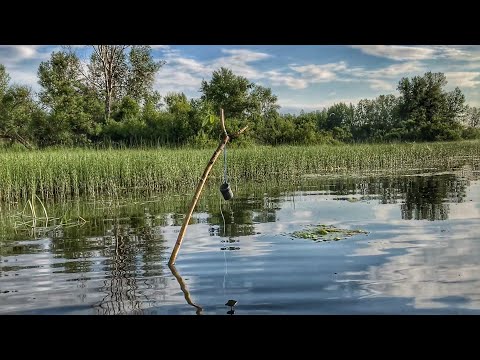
(225, 251)
(225, 164)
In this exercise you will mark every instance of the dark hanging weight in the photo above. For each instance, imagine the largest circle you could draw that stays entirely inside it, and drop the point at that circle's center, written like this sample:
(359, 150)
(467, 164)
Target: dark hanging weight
(226, 191)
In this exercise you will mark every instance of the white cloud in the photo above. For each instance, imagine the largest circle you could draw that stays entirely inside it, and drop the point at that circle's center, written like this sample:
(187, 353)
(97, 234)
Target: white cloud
(391, 71)
(21, 77)
(22, 61)
(177, 81)
(238, 61)
(278, 78)
(463, 79)
(14, 54)
(473, 98)
(397, 52)
(385, 78)
(397, 70)
(320, 73)
(432, 266)
(189, 65)
(378, 79)
(461, 64)
(182, 73)
(469, 53)
(378, 84)
(245, 55)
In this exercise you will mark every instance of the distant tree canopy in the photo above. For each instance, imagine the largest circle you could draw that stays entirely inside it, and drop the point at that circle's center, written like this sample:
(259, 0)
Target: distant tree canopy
(114, 74)
(427, 110)
(240, 98)
(110, 100)
(18, 111)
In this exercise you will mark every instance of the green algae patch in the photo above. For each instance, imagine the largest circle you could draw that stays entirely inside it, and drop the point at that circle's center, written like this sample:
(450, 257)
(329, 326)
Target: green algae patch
(326, 233)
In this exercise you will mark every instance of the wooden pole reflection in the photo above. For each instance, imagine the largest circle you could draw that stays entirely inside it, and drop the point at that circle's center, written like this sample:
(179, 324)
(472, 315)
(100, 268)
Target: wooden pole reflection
(186, 293)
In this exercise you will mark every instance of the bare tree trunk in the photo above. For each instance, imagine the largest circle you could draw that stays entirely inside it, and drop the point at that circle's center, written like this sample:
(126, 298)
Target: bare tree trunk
(107, 55)
(108, 106)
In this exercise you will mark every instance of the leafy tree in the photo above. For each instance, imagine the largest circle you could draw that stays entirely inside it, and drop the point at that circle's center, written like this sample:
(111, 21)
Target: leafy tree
(113, 73)
(374, 119)
(228, 91)
(339, 115)
(427, 110)
(127, 109)
(180, 128)
(263, 103)
(472, 117)
(177, 103)
(339, 120)
(4, 80)
(17, 111)
(74, 109)
(141, 72)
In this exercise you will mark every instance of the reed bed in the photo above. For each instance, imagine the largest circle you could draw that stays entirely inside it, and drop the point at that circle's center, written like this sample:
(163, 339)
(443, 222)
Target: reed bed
(69, 173)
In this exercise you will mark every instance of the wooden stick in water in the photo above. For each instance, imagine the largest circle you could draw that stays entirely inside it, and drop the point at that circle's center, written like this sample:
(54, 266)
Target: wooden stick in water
(200, 185)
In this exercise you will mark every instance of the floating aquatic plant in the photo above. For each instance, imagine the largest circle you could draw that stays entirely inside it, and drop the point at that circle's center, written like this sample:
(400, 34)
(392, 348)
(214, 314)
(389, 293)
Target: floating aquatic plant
(326, 233)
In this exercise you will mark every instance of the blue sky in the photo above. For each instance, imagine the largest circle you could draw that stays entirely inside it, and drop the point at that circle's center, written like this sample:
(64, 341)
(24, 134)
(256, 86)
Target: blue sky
(307, 77)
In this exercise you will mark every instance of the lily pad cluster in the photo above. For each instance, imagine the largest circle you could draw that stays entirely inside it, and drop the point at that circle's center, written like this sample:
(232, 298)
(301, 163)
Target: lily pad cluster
(326, 233)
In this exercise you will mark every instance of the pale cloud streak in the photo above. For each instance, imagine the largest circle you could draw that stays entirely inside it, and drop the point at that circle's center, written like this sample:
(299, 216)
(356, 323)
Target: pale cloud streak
(383, 85)
(282, 79)
(426, 52)
(463, 79)
(378, 79)
(320, 73)
(16, 54)
(391, 71)
(291, 77)
(397, 52)
(183, 73)
(305, 75)
(17, 57)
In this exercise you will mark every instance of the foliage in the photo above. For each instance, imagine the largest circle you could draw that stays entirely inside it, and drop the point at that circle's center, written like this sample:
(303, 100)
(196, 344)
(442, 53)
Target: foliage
(18, 111)
(110, 101)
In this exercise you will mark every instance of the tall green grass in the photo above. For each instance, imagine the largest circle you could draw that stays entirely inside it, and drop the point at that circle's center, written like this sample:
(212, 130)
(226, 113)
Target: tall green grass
(67, 173)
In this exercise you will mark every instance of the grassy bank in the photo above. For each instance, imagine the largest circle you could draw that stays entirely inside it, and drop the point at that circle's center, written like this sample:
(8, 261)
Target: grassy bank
(72, 172)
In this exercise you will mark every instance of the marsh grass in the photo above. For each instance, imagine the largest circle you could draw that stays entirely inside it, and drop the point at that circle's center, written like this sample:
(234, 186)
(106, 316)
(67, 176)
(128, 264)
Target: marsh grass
(69, 173)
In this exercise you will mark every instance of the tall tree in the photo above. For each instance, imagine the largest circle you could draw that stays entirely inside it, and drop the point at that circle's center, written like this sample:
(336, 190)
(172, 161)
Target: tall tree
(472, 117)
(17, 111)
(228, 91)
(4, 80)
(375, 118)
(263, 102)
(241, 99)
(434, 113)
(114, 73)
(142, 70)
(73, 106)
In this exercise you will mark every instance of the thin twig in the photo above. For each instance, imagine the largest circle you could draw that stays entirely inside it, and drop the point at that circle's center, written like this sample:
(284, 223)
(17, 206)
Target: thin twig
(222, 118)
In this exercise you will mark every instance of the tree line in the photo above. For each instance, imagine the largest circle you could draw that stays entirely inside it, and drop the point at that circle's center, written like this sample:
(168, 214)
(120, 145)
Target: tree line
(109, 99)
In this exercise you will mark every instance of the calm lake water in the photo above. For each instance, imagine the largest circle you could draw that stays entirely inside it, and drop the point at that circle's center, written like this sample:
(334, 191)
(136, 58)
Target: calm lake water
(421, 254)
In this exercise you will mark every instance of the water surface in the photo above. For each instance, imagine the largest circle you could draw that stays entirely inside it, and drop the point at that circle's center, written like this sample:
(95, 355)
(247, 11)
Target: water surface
(421, 254)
